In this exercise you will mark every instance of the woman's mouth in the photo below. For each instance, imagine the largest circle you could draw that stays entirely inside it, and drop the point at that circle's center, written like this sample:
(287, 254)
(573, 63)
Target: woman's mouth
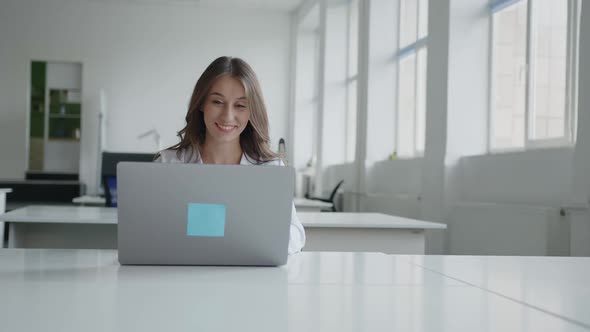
(225, 128)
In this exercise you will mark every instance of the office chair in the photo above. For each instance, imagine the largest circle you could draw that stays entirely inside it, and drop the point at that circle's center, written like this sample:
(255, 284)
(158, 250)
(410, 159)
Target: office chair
(331, 198)
(109, 171)
(109, 183)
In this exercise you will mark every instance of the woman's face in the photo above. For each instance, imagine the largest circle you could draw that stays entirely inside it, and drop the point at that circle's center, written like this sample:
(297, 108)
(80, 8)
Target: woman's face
(226, 111)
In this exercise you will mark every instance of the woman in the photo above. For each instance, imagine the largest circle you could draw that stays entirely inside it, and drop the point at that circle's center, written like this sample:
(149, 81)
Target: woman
(227, 123)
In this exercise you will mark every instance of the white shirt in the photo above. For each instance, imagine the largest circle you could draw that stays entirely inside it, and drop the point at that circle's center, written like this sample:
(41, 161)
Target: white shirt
(297, 233)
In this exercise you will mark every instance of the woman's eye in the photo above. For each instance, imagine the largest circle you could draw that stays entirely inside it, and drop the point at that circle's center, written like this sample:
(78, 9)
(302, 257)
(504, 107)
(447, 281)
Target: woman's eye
(219, 102)
(241, 106)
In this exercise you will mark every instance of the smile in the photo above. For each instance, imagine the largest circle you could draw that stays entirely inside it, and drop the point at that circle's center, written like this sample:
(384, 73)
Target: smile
(225, 128)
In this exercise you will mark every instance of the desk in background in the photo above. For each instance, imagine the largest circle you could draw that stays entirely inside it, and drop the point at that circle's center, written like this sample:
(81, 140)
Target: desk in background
(47, 226)
(88, 200)
(87, 290)
(86, 227)
(366, 232)
(301, 204)
(3, 192)
(308, 205)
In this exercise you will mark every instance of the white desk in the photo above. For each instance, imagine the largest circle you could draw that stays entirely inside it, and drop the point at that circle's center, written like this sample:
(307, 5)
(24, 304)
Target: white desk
(354, 232)
(87, 290)
(89, 200)
(85, 227)
(301, 204)
(46, 226)
(308, 205)
(524, 279)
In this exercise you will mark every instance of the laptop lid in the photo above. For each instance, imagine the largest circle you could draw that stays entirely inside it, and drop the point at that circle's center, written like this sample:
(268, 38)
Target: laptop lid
(195, 214)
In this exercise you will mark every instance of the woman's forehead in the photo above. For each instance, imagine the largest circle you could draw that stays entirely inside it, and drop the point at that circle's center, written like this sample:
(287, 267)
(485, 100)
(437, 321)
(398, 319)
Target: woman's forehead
(228, 87)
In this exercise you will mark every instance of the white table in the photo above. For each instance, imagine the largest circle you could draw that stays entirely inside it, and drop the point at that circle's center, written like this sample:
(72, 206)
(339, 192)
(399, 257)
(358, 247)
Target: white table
(89, 200)
(354, 232)
(309, 205)
(301, 204)
(87, 290)
(47, 226)
(524, 280)
(86, 227)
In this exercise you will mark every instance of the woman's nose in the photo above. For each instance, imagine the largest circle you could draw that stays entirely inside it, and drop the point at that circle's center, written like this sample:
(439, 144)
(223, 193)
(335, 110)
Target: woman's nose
(228, 112)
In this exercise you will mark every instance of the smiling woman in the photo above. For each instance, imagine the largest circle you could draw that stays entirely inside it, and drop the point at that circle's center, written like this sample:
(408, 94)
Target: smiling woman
(227, 123)
(227, 94)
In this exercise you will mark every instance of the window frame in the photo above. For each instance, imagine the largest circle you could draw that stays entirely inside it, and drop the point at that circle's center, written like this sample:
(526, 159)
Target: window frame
(402, 53)
(350, 143)
(571, 90)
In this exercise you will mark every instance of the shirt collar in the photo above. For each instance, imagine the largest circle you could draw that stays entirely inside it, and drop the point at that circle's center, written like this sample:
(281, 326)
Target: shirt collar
(243, 161)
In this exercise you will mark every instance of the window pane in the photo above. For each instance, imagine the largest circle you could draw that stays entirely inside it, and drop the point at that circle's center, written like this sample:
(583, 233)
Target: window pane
(509, 77)
(353, 33)
(408, 24)
(549, 68)
(423, 19)
(406, 106)
(351, 122)
(421, 100)
(306, 87)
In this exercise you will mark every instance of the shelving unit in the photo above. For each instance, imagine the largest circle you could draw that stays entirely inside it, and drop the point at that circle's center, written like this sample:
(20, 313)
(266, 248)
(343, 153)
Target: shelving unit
(55, 117)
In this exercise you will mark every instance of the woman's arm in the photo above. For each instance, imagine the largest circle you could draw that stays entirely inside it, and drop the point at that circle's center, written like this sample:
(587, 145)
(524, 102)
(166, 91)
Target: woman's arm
(297, 233)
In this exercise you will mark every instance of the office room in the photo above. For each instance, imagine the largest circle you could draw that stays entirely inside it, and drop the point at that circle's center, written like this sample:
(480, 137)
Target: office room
(294, 165)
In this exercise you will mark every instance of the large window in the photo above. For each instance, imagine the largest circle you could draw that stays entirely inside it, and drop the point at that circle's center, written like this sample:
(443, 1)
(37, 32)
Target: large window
(411, 78)
(533, 76)
(306, 90)
(352, 79)
(326, 85)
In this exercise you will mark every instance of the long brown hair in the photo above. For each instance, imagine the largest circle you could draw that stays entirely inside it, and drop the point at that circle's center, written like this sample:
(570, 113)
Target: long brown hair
(255, 139)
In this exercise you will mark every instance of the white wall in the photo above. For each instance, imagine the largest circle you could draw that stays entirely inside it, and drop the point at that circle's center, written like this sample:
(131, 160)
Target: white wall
(147, 58)
(403, 176)
(533, 177)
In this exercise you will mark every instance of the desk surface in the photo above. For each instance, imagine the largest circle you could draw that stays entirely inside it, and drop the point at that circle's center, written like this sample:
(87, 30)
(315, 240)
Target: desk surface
(87, 199)
(300, 202)
(62, 214)
(524, 279)
(106, 215)
(87, 290)
(304, 202)
(363, 220)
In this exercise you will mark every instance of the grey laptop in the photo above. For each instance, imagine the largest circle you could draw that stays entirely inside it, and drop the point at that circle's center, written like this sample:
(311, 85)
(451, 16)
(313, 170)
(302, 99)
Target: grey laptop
(194, 214)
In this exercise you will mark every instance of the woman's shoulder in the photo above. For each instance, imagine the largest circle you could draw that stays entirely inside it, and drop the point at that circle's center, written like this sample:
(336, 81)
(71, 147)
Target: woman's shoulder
(167, 156)
(272, 162)
(173, 156)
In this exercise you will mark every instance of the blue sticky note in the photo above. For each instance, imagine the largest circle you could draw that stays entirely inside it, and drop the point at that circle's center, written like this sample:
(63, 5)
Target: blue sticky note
(205, 220)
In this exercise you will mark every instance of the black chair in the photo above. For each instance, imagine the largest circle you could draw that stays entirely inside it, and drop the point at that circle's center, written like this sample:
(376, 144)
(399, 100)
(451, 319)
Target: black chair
(331, 198)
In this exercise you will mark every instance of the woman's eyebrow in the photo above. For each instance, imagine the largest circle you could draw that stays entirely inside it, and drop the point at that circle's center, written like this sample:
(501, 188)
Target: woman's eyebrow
(219, 94)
